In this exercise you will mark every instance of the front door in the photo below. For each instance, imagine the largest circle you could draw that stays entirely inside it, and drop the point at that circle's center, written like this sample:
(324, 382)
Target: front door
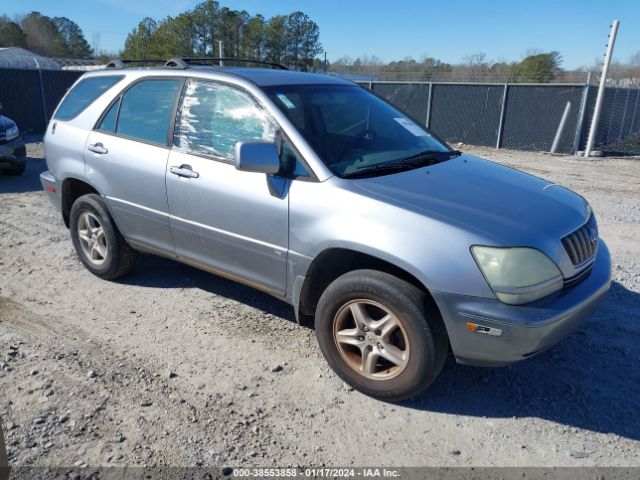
(230, 221)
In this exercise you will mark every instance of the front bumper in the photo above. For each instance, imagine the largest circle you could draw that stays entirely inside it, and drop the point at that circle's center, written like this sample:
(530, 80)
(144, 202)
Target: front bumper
(525, 329)
(13, 153)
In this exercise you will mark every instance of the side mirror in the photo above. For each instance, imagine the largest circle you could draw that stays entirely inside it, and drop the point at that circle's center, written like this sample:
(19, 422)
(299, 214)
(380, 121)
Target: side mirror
(259, 156)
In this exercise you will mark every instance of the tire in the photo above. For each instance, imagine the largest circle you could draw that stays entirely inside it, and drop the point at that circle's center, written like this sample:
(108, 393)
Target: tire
(15, 171)
(112, 256)
(418, 342)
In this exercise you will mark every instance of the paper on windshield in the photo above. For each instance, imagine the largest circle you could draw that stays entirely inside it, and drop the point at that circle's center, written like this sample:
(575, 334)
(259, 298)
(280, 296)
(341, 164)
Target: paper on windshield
(412, 127)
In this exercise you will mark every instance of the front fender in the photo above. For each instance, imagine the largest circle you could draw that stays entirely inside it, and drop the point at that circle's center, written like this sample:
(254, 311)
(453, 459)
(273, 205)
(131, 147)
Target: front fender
(323, 216)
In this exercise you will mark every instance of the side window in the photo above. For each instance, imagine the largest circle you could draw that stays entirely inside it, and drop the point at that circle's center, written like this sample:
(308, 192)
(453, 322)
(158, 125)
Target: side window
(145, 110)
(213, 117)
(84, 94)
(108, 123)
(290, 163)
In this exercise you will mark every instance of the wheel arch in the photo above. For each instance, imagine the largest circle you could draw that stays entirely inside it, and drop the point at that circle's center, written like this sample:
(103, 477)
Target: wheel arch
(72, 189)
(334, 262)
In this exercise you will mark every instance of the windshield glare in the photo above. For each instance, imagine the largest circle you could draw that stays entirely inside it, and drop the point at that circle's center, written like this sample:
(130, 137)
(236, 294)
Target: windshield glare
(349, 128)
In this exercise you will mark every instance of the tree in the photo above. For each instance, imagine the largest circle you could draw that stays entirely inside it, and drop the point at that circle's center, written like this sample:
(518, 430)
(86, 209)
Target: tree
(283, 38)
(75, 43)
(230, 28)
(253, 40)
(138, 44)
(302, 41)
(539, 67)
(183, 33)
(42, 35)
(173, 37)
(276, 38)
(205, 19)
(11, 35)
(474, 69)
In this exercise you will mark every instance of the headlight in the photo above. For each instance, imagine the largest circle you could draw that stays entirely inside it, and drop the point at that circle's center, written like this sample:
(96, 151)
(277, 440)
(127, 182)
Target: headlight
(518, 275)
(12, 132)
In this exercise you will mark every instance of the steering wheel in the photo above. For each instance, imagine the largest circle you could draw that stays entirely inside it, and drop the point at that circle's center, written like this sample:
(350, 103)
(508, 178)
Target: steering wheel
(367, 134)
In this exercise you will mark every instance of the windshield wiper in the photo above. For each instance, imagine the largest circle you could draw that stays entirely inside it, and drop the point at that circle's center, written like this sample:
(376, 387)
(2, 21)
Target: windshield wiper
(421, 159)
(430, 154)
(382, 167)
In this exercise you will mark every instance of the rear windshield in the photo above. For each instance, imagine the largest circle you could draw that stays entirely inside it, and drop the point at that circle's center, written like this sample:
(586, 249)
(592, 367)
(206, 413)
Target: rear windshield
(83, 95)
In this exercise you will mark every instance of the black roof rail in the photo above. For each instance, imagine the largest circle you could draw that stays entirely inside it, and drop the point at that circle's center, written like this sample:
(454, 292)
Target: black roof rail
(123, 63)
(184, 62)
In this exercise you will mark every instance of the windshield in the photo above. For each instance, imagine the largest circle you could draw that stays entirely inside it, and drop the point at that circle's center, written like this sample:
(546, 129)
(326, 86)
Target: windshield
(352, 130)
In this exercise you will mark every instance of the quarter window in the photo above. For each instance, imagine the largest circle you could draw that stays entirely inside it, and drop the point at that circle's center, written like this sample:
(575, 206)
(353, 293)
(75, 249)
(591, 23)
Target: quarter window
(108, 123)
(213, 117)
(145, 110)
(84, 94)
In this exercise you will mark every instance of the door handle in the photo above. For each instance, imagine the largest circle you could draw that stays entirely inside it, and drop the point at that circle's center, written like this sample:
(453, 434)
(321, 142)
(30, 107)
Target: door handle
(98, 148)
(183, 170)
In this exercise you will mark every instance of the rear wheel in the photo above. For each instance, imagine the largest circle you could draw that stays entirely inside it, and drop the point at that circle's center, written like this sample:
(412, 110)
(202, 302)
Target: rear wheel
(378, 334)
(98, 243)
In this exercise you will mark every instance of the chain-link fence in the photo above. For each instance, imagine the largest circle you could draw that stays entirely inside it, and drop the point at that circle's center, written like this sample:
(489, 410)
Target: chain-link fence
(538, 117)
(619, 126)
(29, 97)
(543, 117)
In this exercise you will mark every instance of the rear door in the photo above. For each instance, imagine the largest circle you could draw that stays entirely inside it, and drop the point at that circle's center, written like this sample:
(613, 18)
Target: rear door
(126, 158)
(233, 222)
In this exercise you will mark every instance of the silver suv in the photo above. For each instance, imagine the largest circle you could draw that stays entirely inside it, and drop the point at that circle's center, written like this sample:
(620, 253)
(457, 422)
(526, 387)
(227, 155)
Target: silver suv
(320, 193)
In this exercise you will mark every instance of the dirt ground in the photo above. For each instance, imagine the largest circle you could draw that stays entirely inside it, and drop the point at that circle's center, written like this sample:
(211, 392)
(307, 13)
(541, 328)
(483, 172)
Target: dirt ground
(174, 366)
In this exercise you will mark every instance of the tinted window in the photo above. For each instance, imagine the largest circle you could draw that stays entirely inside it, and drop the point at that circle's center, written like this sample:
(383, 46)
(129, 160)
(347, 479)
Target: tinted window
(145, 110)
(213, 117)
(83, 95)
(342, 120)
(352, 130)
(108, 123)
(290, 163)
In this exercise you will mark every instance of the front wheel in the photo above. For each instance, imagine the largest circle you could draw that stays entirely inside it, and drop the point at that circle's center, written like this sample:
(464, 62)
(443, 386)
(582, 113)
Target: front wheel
(98, 243)
(378, 334)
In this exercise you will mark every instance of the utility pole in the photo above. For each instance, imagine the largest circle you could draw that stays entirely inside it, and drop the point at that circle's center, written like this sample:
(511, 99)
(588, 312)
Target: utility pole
(221, 50)
(324, 67)
(601, 88)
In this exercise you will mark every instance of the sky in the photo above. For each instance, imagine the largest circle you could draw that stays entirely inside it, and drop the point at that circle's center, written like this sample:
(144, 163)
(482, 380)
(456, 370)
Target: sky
(446, 30)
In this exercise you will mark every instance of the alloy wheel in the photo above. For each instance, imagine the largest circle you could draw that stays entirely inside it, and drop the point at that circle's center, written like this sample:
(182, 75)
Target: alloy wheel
(371, 339)
(92, 238)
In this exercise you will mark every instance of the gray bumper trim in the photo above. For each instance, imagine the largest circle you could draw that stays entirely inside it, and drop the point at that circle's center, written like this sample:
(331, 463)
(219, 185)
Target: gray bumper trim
(52, 188)
(526, 329)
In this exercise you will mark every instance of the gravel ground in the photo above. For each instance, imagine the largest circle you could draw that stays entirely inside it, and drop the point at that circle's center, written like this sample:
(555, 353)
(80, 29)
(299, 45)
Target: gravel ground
(173, 366)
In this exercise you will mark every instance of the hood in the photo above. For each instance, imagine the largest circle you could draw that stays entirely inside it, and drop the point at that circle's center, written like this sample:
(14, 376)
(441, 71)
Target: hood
(503, 204)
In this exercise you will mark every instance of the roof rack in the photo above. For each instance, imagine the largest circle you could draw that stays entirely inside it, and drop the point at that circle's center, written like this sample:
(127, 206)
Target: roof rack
(122, 63)
(184, 62)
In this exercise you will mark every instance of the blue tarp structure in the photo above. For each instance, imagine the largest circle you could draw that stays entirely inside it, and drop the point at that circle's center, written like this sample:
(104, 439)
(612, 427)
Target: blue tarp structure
(19, 58)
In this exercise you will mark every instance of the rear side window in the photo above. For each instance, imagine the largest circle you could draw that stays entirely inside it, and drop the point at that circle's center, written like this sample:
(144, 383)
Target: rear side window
(214, 117)
(108, 123)
(145, 110)
(84, 94)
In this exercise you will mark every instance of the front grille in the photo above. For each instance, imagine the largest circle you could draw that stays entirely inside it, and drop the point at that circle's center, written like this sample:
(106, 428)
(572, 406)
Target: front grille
(571, 281)
(581, 245)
